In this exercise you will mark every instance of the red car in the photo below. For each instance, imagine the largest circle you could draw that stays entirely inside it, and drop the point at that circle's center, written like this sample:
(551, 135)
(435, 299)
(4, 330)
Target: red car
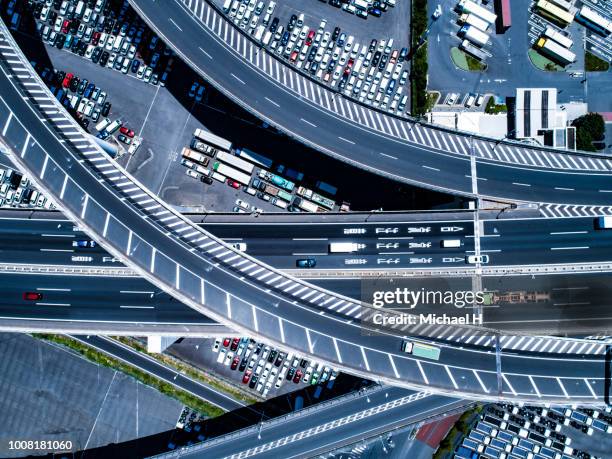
(235, 342)
(95, 38)
(226, 342)
(309, 38)
(235, 362)
(32, 296)
(350, 63)
(298, 376)
(65, 26)
(233, 183)
(247, 376)
(67, 80)
(126, 131)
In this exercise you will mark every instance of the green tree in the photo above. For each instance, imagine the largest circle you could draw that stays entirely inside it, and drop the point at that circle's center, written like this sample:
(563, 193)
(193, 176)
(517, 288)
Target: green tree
(589, 128)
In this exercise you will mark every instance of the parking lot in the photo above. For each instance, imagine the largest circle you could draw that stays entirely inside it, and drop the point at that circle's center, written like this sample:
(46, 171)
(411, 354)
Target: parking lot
(508, 65)
(255, 367)
(596, 43)
(361, 60)
(526, 431)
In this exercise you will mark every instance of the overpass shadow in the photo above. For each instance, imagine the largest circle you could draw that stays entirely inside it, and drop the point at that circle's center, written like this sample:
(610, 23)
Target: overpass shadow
(227, 423)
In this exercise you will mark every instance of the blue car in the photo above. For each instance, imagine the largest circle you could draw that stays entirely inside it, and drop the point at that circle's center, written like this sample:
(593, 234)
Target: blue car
(306, 263)
(135, 65)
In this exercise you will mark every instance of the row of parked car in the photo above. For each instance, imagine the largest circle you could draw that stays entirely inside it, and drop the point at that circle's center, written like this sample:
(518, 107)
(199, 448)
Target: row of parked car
(528, 432)
(113, 38)
(361, 8)
(374, 74)
(264, 366)
(16, 191)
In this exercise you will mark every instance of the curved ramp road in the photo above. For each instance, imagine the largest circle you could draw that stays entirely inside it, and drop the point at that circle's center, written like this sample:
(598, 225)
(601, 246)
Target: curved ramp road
(421, 155)
(326, 426)
(230, 287)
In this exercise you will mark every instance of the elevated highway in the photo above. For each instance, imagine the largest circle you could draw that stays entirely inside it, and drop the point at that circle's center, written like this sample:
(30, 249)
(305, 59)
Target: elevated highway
(231, 287)
(398, 148)
(326, 426)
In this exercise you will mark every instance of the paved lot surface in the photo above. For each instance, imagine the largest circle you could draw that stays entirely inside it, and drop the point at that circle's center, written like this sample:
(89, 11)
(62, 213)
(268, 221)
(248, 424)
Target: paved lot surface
(509, 66)
(52, 394)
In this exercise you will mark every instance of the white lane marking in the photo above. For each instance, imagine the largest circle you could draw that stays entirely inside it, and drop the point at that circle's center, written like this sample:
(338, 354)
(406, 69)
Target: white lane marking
(605, 191)
(52, 304)
(388, 156)
(127, 306)
(308, 122)
(137, 292)
(272, 102)
(568, 232)
(44, 289)
(480, 381)
(534, 386)
(422, 372)
(450, 375)
(237, 78)
(432, 168)
(520, 184)
(175, 24)
(58, 235)
(571, 248)
(205, 53)
(346, 140)
(563, 189)
(309, 239)
(56, 250)
(508, 384)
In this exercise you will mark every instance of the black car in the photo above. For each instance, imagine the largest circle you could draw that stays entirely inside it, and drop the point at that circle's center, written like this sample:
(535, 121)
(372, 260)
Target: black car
(95, 57)
(272, 356)
(61, 39)
(135, 65)
(243, 364)
(59, 77)
(74, 83)
(292, 22)
(314, 67)
(335, 34)
(274, 25)
(253, 382)
(104, 58)
(290, 374)
(402, 55)
(279, 359)
(376, 58)
(206, 180)
(383, 62)
(82, 86)
(284, 38)
(106, 108)
(303, 363)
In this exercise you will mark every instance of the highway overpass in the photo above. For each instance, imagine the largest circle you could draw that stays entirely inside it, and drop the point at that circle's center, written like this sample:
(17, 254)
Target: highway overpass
(326, 426)
(398, 148)
(231, 287)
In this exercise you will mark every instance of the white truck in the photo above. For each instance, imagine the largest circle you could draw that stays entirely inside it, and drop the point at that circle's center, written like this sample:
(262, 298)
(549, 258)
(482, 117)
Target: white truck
(344, 247)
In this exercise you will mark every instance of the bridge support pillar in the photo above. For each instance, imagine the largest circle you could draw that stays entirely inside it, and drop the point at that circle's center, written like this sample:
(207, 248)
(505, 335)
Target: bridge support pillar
(158, 344)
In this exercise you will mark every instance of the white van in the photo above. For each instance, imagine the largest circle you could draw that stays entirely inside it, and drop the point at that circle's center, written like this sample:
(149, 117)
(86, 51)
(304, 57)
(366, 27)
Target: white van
(259, 33)
(117, 44)
(227, 5)
(102, 125)
(114, 126)
(79, 8)
(267, 37)
(451, 243)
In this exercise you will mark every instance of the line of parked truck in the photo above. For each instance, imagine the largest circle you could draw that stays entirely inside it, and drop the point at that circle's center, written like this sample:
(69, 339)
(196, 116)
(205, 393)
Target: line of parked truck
(210, 157)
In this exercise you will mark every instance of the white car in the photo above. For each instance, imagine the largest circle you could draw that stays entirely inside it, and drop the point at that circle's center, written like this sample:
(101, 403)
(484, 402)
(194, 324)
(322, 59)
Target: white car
(141, 71)
(243, 204)
(216, 345)
(473, 259)
(221, 355)
(228, 358)
(147, 74)
(241, 246)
